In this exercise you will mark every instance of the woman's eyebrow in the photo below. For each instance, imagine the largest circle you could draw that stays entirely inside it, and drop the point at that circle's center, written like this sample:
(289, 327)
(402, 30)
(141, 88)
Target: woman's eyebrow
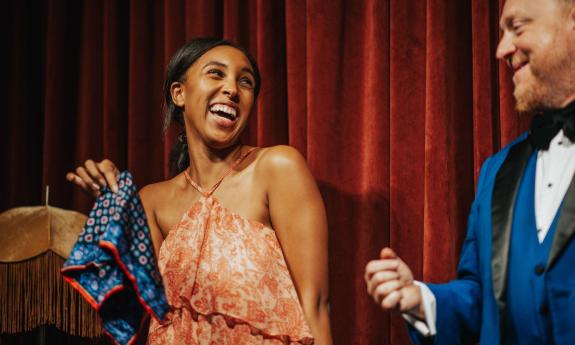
(248, 70)
(214, 63)
(220, 64)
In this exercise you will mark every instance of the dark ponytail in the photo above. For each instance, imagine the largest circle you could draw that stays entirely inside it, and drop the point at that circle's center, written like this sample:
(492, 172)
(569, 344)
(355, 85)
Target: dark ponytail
(179, 159)
(176, 72)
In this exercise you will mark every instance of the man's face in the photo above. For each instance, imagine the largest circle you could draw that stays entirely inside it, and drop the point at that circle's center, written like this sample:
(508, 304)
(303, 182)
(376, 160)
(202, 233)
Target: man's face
(538, 43)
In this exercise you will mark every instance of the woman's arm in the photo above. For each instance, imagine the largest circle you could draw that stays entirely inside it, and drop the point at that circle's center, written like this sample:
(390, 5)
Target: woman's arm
(93, 176)
(148, 197)
(298, 216)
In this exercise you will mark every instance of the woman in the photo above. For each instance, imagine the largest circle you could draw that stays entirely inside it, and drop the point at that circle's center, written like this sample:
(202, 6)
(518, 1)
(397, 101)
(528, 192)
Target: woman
(247, 261)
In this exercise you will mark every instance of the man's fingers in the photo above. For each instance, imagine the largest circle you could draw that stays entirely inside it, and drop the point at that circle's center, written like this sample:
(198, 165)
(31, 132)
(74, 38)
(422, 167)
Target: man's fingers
(404, 272)
(380, 278)
(391, 302)
(382, 290)
(390, 283)
(410, 298)
(387, 253)
(375, 266)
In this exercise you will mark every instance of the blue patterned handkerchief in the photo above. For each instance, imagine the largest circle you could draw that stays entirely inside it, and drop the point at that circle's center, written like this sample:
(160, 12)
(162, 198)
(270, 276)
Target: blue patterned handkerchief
(113, 263)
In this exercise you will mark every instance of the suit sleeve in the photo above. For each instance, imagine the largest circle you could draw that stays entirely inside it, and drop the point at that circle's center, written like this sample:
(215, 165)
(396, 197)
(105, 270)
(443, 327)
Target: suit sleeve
(458, 314)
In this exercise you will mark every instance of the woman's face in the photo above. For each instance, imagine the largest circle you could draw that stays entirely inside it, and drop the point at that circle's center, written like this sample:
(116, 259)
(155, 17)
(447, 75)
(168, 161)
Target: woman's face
(217, 96)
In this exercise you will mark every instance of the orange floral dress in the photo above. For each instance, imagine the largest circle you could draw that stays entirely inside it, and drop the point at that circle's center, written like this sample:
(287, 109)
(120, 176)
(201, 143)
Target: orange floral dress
(226, 281)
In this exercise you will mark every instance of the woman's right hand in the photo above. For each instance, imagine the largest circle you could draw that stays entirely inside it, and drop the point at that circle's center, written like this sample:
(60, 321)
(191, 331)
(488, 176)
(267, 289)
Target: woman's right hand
(92, 176)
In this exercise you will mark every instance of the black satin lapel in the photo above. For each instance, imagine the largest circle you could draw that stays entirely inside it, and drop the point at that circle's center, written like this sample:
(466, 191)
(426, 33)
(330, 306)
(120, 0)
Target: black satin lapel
(503, 202)
(565, 225)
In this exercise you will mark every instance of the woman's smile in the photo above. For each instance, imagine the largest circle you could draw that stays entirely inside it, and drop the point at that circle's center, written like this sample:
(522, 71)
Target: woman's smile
(225, 115)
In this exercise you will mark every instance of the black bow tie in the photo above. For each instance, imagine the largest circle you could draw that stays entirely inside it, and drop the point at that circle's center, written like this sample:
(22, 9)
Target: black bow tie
(546, 126)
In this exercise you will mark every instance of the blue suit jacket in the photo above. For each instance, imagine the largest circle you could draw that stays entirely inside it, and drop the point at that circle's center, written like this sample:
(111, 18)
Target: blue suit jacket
(472, 307)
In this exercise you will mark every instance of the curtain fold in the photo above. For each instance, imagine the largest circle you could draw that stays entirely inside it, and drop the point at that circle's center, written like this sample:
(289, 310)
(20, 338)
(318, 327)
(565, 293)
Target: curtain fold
(407, 90)
(395, 105)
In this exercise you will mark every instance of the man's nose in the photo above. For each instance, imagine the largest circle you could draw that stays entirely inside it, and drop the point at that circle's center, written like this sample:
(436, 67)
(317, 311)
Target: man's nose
(506, 47)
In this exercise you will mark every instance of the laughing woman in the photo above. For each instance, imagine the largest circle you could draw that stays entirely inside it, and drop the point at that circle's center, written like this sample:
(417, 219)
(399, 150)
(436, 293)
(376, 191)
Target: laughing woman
(240, 232)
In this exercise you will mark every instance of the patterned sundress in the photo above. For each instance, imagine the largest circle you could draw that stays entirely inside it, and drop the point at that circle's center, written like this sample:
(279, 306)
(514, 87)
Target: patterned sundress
(226, 280)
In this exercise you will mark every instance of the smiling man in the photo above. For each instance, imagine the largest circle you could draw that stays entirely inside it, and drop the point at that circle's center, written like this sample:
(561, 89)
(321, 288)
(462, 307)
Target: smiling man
(516, 276)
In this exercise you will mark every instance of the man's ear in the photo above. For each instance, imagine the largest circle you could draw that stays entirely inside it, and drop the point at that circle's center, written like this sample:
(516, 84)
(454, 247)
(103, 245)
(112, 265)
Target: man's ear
(177, 92)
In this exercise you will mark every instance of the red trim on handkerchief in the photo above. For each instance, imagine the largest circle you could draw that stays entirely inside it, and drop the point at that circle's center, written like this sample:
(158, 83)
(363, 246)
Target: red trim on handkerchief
(95, 304)
(111, 247)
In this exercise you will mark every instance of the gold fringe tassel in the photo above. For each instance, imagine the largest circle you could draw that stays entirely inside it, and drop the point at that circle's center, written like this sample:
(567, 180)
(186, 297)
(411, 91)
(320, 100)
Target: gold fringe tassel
(33, 293)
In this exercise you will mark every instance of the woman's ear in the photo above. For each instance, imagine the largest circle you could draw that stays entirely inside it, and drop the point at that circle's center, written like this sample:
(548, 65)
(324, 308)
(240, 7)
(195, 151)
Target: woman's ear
(572, 18)
(177, 92)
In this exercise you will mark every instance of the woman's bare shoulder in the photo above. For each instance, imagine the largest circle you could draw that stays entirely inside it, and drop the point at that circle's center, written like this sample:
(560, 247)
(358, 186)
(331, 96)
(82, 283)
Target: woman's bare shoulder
(279, 158)
(159, 192)
(281, 165)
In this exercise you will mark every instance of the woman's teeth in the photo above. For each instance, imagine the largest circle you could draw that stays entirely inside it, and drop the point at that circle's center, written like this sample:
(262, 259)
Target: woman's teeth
(224, 111)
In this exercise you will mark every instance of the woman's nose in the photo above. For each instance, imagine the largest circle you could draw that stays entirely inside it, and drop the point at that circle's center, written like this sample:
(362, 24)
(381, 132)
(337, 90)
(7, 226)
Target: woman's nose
(230, 89)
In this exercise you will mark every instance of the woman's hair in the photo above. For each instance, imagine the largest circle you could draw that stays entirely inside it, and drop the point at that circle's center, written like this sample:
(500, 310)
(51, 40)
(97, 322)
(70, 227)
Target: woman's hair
(176, 72)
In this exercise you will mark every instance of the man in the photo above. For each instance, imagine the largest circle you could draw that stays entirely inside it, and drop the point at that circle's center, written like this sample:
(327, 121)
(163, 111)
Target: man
(516, 276)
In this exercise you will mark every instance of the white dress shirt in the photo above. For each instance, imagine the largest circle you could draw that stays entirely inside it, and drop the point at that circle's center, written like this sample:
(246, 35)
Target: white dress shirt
(554, 171)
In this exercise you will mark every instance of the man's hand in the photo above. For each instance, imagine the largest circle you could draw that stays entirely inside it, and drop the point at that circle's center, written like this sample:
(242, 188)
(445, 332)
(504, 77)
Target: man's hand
(390, 283)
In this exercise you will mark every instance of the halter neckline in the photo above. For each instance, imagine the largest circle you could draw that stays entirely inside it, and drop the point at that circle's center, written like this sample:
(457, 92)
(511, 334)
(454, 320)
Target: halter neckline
(219, 181)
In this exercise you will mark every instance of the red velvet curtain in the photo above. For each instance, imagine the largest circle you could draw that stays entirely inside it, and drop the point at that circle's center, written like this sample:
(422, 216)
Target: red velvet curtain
(395, 104)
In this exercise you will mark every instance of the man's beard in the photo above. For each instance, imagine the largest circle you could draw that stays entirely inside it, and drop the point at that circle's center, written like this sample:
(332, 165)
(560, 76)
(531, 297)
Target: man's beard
(550, 87)
(534, 98)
